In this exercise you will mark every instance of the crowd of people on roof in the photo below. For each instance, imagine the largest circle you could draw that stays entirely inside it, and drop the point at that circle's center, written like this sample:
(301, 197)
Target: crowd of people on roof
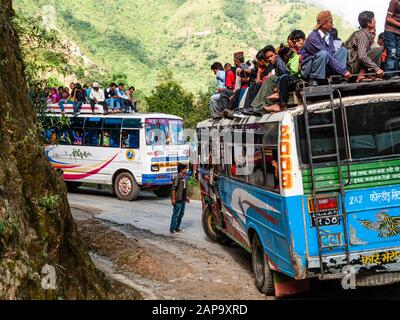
(113, 99)
(264, 85)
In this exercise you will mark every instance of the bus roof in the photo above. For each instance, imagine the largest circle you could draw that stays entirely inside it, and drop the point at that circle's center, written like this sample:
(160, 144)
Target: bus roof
(54, 110)
(319, 100)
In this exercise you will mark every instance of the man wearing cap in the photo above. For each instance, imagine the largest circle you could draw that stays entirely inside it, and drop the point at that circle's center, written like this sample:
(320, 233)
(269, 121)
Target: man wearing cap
(319, 58)
(97, 97)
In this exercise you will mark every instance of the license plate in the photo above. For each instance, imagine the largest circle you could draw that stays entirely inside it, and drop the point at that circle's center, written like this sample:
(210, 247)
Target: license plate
(325, 219)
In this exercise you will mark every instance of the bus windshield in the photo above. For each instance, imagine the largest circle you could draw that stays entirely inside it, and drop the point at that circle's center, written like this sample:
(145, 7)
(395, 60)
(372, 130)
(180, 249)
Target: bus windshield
(164, 131)
(374, 132)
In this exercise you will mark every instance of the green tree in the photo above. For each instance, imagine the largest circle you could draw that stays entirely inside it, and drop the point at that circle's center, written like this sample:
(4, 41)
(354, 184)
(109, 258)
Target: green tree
(170, 97)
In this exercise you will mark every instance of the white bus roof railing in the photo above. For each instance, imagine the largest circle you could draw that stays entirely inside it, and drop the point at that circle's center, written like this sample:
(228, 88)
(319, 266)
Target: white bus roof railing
(86, 110)
(69, 108)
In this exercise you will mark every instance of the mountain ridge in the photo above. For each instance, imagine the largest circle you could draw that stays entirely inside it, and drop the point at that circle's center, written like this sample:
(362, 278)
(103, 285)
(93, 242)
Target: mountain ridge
(140, 38)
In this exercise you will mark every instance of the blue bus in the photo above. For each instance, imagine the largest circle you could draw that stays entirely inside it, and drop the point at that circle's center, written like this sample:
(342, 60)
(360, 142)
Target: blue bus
(312, 192)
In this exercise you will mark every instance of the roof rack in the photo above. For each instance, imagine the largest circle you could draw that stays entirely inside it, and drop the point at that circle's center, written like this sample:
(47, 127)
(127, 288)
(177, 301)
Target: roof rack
(349, 89)
(69, 109)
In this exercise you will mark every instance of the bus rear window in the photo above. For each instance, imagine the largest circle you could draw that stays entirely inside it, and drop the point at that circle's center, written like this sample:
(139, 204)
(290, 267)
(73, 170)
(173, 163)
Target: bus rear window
(374, 132)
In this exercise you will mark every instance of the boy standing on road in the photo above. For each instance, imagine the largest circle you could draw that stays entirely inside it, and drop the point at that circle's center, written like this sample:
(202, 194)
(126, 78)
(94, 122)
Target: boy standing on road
(179, 199)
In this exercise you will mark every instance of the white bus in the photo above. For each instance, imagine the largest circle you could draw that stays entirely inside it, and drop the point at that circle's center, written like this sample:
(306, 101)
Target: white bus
(129, 152)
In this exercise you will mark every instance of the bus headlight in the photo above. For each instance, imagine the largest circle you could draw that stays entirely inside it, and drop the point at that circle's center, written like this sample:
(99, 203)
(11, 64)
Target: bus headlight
(155, 168)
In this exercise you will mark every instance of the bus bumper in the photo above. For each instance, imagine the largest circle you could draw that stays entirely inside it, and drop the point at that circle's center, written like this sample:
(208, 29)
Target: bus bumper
(371, 268)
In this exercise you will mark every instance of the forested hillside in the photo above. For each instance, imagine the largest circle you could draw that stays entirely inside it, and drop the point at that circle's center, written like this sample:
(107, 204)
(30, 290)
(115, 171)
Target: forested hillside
(140, 38)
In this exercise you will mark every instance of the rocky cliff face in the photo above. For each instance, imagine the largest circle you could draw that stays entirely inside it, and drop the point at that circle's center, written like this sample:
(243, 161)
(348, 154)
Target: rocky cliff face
(41, 254)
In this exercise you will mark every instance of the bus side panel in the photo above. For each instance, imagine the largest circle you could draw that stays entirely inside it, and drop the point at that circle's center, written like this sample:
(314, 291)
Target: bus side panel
(261, 210)
(296, 214)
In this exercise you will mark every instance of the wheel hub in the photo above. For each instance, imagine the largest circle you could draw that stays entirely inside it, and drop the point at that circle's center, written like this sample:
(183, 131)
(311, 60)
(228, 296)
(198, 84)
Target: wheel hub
(125, 186)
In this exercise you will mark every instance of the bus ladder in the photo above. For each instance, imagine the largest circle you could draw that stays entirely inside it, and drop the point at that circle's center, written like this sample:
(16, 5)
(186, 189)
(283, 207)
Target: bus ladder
(324, 91)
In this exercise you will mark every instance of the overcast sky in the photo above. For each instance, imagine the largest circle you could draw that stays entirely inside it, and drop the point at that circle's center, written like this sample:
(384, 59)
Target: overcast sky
(349, 9)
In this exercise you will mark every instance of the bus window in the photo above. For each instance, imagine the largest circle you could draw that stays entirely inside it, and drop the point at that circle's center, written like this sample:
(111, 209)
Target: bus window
(164, 131)
(176, 132)
(111, 132)
(374, 130)
(257, 175)
(271, 169)
(130, 139)
(132, 123)
(50, 136)
(76, 137)
(92, 132)
(64, 136)
(74, 134)
(111, 138)
(112, 123)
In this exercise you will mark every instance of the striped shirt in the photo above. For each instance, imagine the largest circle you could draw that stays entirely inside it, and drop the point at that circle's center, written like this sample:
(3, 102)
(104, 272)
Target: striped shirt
(358, 45)
(394, 11)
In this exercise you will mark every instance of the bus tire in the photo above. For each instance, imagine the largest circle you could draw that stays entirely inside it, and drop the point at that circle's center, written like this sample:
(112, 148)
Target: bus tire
(210, 229)
(163, 191)
(72, 185)
(263, 275)
(125, 187)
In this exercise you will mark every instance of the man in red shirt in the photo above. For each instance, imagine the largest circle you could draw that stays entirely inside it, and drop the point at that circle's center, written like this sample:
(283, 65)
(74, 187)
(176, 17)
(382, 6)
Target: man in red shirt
(392, 38)
(230, 80)
(230, 77)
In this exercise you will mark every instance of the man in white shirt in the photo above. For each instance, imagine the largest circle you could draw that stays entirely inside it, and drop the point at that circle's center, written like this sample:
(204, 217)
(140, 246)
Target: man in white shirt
(97, 97)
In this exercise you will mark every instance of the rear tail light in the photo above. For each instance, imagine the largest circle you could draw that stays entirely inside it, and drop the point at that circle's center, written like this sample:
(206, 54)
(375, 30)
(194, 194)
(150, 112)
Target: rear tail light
(323, 204)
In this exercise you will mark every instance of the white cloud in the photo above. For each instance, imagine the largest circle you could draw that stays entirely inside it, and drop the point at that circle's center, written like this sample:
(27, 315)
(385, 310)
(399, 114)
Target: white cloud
(349, 9)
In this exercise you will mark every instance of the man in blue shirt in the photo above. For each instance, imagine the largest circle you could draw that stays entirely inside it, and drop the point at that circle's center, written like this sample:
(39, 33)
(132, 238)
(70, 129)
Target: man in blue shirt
(122, 97)
(215, 106)
(319, 58)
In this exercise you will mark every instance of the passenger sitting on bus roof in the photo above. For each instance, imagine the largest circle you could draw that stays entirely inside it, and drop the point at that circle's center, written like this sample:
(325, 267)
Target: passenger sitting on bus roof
(215, 106)
(319, 58)
(392, 38)
(362, 58)
(60, 90)
(72, 90)
(238, 58)
(131, 103)
(286, 82)
(290, 42)
(261, 101)
(80, 99)
(97, 97)
(112, 97)
(106, 138)
(122, 97)
(261, 72)
(64, 99)
(54, 96)
(230, 79)
(381, 43)
(337, 42)
(239, 97)
(77, 136)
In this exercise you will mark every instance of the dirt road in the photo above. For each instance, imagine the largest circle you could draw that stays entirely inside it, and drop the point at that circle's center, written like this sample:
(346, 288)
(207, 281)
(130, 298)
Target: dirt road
(166, 266)
(133, 239)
